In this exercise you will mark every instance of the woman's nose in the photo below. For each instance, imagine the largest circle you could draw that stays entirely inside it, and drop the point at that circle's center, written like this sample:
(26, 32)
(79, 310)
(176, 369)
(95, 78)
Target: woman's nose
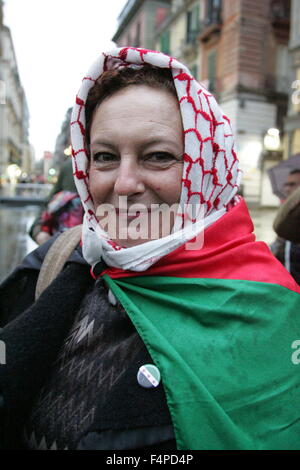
(129, 179)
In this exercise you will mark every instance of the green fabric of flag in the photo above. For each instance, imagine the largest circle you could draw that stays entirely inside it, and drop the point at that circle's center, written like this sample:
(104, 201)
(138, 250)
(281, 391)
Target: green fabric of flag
(224, 350)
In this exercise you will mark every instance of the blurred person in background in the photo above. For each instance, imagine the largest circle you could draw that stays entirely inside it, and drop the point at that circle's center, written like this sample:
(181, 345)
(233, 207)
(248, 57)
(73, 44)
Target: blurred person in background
(64, 209)
(286, 247)
(292, 182)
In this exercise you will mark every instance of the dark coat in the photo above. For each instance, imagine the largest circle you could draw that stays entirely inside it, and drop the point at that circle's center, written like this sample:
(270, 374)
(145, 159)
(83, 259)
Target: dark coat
(65, 182)
(287, 221)
(278, 249)
(33, 333)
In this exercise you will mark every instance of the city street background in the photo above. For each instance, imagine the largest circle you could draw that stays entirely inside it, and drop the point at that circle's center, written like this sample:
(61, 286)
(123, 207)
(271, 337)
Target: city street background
(245, 52)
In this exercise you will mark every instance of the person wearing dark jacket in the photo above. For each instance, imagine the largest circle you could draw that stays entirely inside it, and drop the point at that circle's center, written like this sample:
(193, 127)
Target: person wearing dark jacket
(90, 421)
(287, 221)
(45, 224)
(286, 247)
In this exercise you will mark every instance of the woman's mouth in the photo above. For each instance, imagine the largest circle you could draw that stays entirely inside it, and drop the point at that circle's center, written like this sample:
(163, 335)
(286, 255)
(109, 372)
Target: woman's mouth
(132, 214)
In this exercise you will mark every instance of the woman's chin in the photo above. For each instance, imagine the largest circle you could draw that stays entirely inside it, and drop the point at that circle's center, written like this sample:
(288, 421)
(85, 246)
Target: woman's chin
(131, 236)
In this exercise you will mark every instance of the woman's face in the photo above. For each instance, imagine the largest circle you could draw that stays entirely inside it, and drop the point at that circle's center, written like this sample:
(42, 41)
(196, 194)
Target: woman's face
(136, 147)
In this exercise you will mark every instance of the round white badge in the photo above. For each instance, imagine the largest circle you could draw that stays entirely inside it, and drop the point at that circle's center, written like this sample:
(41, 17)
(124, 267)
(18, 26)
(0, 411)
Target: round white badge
(148, 376)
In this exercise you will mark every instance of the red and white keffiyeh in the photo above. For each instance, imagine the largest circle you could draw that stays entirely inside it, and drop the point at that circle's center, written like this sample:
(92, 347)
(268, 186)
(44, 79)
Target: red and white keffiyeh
(211, 174)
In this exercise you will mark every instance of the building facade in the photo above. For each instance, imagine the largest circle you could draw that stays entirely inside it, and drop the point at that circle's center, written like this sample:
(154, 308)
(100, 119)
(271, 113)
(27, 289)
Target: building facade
(251, 58)
(239, 50)
(63, 141)
(14, 114)
(178, 35)
(138, 21)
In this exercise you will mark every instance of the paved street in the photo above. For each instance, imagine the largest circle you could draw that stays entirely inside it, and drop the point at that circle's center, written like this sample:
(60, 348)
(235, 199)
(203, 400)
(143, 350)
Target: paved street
(15, 243)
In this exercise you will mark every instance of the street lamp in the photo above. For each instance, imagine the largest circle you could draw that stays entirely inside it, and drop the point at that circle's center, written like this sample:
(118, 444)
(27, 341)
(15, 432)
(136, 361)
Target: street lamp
(68, 151)
(14, 172)
(272, 140)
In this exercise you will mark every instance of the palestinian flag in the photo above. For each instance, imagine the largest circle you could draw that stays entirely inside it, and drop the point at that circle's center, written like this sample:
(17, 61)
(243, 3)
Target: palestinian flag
(221, 324)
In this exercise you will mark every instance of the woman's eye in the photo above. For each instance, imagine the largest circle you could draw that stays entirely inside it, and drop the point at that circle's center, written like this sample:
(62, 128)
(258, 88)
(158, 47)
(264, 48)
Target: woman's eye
(104, 157)
(160, 157)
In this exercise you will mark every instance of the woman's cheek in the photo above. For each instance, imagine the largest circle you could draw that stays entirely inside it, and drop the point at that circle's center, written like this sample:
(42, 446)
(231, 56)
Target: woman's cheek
(96, 187)
(170, 191)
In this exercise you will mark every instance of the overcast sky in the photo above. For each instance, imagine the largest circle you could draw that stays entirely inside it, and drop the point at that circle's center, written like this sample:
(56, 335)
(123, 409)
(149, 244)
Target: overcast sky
(55, 43)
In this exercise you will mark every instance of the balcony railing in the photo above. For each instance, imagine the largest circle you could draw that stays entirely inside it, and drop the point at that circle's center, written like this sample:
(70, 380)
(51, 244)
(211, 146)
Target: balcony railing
(212, 23)
(214, 18)
(24, 194)
(191, 36)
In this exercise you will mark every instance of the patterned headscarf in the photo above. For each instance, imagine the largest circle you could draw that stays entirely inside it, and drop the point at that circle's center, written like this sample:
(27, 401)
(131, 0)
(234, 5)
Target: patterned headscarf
(211, 174)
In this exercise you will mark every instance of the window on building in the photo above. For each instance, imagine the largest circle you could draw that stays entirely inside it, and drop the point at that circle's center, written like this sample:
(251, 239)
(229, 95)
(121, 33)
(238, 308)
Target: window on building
(137, 42)
(194, 70)
(192, 23)
(213, 11)
(160, 15)
(281, 9)
(211, 70)
(165, 42)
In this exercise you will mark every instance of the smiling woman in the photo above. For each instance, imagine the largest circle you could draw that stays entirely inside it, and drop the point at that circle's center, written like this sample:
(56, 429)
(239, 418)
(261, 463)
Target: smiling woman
(135, 138)
(183, 340)
(133, 163)
(130, 164)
